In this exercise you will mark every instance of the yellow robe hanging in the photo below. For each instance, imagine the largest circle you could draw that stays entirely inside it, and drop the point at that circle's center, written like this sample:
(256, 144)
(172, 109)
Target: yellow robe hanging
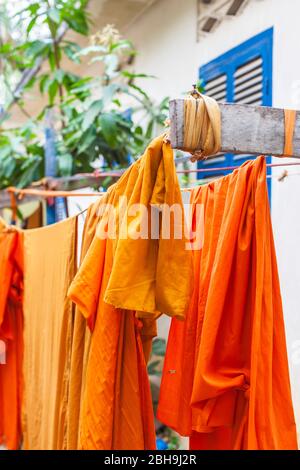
(121, 287)
(49, 267)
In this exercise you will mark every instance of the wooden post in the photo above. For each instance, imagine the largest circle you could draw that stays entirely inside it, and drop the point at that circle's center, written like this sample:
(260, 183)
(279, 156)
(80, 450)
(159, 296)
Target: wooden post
(251, 130)
(56, 209)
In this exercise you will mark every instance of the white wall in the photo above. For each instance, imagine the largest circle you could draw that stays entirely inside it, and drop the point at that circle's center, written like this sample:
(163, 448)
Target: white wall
(166, 40)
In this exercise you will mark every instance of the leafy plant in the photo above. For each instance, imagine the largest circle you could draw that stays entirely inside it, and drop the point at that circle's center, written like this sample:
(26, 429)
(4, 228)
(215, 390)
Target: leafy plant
(200, 86)
(158, 353)
(107, 119)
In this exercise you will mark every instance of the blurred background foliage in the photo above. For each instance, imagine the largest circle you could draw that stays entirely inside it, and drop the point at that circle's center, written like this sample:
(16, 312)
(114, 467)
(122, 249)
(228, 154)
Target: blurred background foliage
(105, 121)
(155, 364)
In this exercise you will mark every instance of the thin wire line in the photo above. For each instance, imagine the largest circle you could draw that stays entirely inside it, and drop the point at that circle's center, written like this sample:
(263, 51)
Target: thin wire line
(217, 177)
(228, 168)
(204, 181)
(187, 157)
(52, 193)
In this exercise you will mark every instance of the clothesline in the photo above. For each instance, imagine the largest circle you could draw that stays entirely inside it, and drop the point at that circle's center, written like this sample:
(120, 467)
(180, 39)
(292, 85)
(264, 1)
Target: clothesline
(48, 193)
(53, 193)
(229, 168)
(280, 178)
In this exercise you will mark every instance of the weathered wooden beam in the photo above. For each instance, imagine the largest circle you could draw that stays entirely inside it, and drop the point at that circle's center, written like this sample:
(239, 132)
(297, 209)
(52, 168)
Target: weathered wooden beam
(245, 129)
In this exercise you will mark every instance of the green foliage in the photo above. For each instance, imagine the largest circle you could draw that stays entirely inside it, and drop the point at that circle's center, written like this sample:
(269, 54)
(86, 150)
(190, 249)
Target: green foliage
(200, 86)
(159, 347)
(21, 156)
(170, 437)
(92, 118)
(158, 353)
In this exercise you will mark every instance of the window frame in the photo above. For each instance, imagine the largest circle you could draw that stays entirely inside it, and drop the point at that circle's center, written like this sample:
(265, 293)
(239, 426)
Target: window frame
(260, 45)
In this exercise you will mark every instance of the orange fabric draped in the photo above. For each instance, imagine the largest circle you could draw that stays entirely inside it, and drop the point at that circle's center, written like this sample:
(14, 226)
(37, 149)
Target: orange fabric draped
(226, 381)
(49, 268)
(121, 286)
(81, 338)
(11, 335)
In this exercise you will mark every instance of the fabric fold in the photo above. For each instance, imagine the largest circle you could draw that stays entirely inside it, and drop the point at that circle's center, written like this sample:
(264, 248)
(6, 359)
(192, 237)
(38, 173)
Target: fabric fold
(81, 339)
(127, 278)
(11, 335)
(49, 267)
(226, 370)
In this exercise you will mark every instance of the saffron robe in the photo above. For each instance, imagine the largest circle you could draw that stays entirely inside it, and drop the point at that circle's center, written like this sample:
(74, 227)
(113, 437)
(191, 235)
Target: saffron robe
(81, 338)
(121, 287)
(226, 381)
(49, 267)
(11, 335)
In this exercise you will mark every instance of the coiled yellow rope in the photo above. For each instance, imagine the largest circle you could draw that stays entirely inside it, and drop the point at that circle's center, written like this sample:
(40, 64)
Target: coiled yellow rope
(202, 126)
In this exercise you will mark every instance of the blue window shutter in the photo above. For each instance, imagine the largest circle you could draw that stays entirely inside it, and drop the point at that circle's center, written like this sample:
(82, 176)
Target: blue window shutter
(241, 75)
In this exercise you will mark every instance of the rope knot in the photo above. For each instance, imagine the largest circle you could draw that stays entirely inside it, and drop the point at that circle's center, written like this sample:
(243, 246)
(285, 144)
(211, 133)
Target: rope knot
(202, 126)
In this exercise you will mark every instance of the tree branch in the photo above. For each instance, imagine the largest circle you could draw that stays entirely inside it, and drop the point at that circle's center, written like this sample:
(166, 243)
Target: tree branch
(31, 73)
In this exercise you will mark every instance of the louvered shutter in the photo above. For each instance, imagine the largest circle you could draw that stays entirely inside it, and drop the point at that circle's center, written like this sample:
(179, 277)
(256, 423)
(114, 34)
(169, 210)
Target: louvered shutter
(248, 83)
(217, 88)
(241, 75)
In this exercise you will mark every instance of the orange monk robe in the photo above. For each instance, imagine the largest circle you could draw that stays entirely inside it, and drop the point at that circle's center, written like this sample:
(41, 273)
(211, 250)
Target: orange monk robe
(81, 337)
(226, 381)
(11, 335)
(49, 267)
(120, 283)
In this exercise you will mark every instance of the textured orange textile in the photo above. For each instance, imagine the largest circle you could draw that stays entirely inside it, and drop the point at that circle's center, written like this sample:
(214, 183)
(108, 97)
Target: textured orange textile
(81, 338)
(144, 276)
(49, 268)
(226, 381)
(11, 335)
(114, 360)
(133, 275)
(289, 131)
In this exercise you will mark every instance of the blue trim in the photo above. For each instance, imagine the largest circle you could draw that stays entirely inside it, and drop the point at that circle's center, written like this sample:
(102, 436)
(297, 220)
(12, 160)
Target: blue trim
(260, 45)
(50, 170)
(56, 208)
